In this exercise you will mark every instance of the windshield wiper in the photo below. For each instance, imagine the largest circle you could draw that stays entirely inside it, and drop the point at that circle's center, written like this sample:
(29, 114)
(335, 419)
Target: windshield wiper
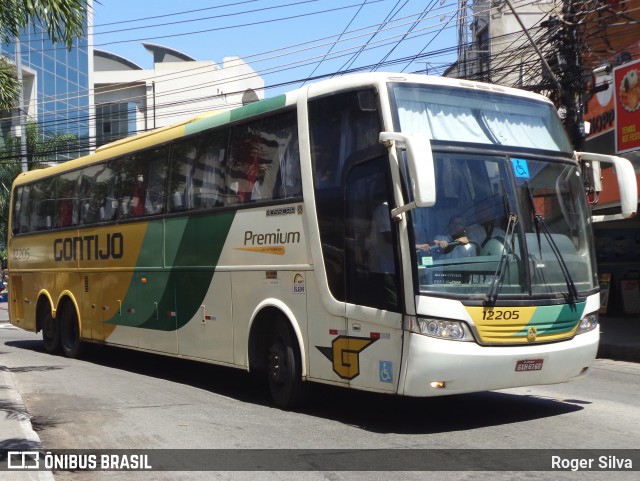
(541, 225)
(492, 294)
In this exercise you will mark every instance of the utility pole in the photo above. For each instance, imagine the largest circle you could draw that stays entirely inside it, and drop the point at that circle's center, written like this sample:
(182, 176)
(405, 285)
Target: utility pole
(571, 73)
(463, 36)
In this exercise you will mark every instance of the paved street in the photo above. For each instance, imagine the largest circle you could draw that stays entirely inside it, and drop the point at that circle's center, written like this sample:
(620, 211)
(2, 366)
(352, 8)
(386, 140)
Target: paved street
(122, 399)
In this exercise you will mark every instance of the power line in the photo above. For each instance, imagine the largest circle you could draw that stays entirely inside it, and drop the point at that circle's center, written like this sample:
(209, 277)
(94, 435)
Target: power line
(501, 66)
(338, 39)
(365, 45)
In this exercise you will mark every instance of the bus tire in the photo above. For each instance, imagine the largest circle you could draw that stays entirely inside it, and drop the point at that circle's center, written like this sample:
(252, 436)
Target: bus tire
(284, 367)
(70, 332)
(50, 331)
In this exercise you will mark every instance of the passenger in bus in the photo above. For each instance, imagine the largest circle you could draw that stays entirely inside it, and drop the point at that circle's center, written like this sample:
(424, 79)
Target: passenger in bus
(456, 233)
(138, 194)
(260, 191)
(66, 209)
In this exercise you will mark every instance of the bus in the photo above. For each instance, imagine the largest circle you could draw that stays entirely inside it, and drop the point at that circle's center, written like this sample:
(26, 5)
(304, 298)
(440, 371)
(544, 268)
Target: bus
(314, 237)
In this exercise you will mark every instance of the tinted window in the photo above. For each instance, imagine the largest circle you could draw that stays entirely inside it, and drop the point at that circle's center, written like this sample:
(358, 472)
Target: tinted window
(98, 195)
(344, 133)
(197, 172)
(42, 205)
(264, 161)
(66, 204)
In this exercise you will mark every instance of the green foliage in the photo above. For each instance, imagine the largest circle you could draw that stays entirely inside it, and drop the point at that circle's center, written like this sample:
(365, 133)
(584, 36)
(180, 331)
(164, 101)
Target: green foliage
(9, 86)
(62, 20)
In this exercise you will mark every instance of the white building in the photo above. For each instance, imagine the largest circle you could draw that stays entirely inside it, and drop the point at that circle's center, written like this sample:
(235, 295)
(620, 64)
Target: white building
(493, 46)
(130, 99)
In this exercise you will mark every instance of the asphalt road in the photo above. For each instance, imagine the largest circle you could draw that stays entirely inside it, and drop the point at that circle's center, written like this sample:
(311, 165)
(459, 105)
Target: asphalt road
(116, 398)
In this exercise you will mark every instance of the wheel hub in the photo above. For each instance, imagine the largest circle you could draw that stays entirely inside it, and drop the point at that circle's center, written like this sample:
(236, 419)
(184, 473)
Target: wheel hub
(276, 355)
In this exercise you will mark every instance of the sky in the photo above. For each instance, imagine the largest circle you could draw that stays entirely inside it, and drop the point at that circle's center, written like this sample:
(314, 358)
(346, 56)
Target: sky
(286, 41)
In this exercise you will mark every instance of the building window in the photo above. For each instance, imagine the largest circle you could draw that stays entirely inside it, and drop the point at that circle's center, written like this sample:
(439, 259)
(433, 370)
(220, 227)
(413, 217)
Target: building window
(484, 57)
(114, 121)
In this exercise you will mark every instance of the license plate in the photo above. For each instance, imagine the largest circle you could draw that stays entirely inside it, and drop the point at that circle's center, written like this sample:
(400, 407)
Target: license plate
(529, 365)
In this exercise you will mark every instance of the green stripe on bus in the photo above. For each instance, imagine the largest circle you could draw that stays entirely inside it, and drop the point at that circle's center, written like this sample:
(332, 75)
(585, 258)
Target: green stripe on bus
(169, 298)
(250, 110)
(554, 319)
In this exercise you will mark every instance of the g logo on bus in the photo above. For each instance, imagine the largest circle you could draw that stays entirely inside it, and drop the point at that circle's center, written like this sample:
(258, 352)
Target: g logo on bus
(344, 353)
(532, 334)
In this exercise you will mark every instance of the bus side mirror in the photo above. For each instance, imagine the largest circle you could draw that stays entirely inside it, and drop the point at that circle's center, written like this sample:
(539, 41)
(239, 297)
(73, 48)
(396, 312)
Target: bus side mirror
(627, 184)
(420, 163)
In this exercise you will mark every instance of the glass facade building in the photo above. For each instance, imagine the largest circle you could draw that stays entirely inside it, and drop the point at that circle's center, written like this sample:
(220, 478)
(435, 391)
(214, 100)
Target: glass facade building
(57, 87)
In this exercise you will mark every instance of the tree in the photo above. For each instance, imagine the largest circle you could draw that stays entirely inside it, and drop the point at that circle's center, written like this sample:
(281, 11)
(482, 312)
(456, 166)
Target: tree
(62, 20)
(9, 86)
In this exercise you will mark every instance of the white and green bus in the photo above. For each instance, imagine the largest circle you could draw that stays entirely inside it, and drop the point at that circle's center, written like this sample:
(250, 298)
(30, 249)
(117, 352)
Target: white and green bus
(401, 234)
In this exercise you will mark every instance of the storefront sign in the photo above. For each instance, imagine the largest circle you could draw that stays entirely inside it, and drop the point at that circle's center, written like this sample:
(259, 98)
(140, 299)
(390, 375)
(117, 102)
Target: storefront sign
(627, 105)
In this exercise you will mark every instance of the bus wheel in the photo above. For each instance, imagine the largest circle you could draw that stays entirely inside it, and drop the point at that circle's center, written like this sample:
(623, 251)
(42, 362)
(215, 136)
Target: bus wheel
(70, 331)
(50, 332)
(284, 368)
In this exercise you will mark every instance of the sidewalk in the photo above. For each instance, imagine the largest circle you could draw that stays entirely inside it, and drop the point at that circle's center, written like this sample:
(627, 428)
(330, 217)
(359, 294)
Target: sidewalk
(16, 432)
(619, 340)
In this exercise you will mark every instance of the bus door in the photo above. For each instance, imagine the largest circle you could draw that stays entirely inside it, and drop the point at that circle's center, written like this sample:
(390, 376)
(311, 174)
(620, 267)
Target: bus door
(372, 275)
(352, 191)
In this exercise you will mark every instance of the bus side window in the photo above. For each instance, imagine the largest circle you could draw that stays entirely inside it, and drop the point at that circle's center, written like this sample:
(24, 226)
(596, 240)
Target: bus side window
(156, 161)
(88, 208)
(283, 181)
(181, 172)
(209, 170)
(16, 218)
(103, 191)
(66, 209)
(25, 209)
(132, 187)
(247, 163)
(41, 205)
(289, 180)
(264, 160)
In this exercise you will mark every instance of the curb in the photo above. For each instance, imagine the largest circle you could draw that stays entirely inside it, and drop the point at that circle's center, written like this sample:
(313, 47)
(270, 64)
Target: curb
(31, 440)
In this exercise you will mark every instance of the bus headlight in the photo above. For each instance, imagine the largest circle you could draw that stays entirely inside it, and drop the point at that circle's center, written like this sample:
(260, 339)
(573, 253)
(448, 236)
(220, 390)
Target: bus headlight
(588, 323)
(440, 328)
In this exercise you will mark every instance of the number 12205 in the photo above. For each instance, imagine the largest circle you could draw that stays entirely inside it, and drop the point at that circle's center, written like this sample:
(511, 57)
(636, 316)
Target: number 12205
(501, 315)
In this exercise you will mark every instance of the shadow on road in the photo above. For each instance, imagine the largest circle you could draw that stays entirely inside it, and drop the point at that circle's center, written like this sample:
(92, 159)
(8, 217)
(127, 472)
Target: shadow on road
(372, 412)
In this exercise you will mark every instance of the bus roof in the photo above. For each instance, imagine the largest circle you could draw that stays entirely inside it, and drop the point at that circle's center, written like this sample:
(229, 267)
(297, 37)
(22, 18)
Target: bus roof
(218, 118)
(160, 136)
(381, 78)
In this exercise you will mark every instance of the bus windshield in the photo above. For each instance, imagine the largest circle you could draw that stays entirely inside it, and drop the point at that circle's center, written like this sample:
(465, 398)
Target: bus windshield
(514, 226)
(504, 224)
(478, 116)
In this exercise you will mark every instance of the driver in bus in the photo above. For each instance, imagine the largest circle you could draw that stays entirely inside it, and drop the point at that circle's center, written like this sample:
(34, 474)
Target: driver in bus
(455, 244)
(439, 247)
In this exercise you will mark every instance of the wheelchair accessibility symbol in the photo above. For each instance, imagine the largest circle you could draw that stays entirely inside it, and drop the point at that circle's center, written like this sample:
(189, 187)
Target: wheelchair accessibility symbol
(386, 371)
(520, 168)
